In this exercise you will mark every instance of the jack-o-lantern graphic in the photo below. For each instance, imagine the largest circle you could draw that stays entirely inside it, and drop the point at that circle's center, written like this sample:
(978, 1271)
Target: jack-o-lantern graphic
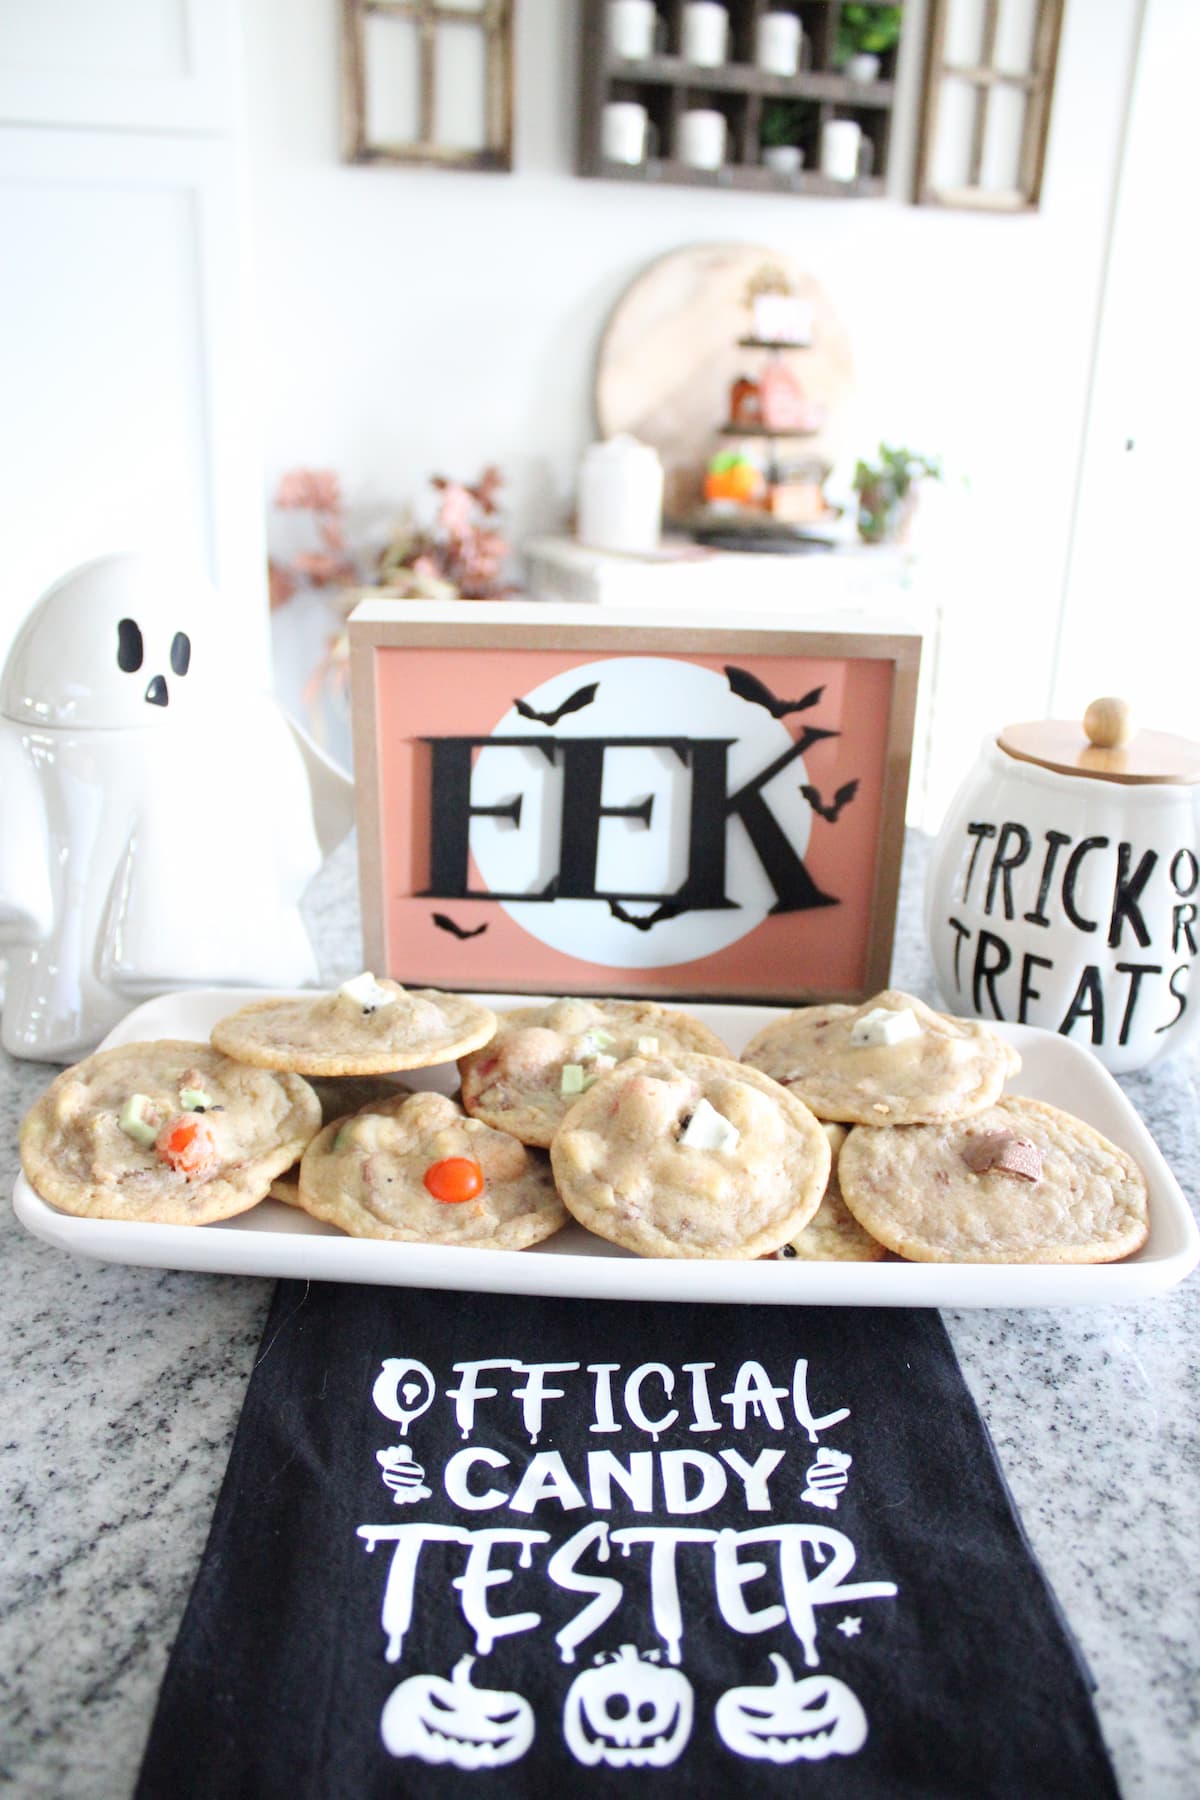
(628, 1713)
(793, 1721)
(452, 1722)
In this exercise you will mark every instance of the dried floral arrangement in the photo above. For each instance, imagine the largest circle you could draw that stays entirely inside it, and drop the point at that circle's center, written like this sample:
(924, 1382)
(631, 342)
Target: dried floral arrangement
(460, 556)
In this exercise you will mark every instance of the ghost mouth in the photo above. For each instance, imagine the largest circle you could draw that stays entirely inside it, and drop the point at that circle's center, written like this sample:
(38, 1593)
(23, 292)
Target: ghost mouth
(156, 694)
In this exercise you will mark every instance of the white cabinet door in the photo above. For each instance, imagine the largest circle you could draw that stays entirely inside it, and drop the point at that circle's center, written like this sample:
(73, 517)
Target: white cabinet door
(1131, 622)
(129, 415)
(133, 64)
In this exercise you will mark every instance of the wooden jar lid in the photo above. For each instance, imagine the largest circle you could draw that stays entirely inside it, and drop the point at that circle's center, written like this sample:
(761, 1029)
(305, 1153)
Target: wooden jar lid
(1104, 746)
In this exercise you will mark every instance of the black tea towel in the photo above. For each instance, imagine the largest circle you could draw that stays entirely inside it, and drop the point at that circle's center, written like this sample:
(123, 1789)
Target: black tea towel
(483, 1544)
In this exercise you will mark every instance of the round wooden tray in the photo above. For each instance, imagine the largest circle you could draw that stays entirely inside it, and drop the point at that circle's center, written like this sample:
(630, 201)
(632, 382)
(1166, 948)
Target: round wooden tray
(670, 353)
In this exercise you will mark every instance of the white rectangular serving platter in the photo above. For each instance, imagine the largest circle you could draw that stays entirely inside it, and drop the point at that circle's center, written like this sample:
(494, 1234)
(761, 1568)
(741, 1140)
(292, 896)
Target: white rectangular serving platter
(277, 1240)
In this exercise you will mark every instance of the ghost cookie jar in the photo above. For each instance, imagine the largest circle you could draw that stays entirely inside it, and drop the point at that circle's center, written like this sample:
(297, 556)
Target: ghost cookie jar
(1064, 889)
(161, 817)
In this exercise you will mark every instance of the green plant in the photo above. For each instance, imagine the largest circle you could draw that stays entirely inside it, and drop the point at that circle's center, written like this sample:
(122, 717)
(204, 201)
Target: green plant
(885, 489)
(783, 122)
(867, 30)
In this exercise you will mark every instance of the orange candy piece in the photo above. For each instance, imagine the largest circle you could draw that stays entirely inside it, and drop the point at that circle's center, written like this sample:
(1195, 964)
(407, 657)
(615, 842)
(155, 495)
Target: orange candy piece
(454, 1179)
(186, 1144)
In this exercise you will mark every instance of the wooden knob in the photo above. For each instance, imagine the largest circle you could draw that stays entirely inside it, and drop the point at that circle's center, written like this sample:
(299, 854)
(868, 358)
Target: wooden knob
(1108, 722)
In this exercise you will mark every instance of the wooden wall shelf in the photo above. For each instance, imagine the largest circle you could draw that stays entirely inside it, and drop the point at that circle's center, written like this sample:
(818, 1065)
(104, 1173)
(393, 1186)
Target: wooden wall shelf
(667, 86)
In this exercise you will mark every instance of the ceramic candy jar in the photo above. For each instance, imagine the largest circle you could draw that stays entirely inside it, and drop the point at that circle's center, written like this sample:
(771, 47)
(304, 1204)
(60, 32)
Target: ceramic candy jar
(1064, 889)
(159, 819)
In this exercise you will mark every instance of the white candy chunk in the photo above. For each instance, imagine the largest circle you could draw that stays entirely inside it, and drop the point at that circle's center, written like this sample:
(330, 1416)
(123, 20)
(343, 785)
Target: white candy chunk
(882, 1026)
(647, 1046)
(707, 1129)
(366, 992)
(604, 1062)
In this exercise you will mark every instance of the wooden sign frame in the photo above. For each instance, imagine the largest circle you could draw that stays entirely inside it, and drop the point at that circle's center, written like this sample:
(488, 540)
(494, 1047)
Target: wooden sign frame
(776, 904)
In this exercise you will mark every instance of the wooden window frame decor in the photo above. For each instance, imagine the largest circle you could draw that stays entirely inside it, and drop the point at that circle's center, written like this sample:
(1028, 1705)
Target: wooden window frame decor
(494, 18)
(548, 803)
(985, 77)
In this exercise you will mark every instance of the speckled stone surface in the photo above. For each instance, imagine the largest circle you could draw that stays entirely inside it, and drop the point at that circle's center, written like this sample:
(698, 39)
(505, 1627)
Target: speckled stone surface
(124, 1386)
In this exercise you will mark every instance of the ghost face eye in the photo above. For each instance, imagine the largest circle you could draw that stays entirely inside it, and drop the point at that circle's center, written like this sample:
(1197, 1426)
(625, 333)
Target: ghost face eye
(181, 652)
(129, 646)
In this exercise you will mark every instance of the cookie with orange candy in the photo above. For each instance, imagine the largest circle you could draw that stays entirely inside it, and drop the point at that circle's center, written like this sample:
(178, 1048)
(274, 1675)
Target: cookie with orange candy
(418, 1170)
(169, 1132)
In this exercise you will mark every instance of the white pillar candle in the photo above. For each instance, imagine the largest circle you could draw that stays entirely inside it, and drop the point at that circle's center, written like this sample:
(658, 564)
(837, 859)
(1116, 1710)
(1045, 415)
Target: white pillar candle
(705, 34)
(631, 28)
(702, 138)
(777, 45)
(620, 496)
(623, 131)
(841, 148)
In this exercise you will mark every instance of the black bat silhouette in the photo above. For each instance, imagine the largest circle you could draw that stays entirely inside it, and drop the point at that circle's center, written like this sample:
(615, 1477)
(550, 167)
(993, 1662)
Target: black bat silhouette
(748, 687)
(459, 931)
(832, 812)
(670, 909)
(579, 699)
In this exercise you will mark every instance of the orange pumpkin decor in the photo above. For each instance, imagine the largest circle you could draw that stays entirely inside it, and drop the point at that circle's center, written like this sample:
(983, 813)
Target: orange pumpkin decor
(732, 476)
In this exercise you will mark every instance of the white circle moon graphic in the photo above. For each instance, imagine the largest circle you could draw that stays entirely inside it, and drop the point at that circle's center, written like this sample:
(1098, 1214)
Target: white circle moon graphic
(644, 852)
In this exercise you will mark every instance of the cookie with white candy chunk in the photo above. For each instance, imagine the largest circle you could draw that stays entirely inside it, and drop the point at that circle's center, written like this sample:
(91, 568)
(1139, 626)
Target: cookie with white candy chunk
(833, 1234)
(890, 1061)
(366, 1027)
(416, 1169)
(169, 1133)
(691, 1156)
(1020, 1182)
(543, 1058)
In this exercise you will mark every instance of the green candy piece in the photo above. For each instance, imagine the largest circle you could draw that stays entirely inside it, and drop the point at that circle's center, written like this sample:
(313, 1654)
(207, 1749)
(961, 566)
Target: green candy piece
(194, 1099)
(133, 1121)
(571, 1081)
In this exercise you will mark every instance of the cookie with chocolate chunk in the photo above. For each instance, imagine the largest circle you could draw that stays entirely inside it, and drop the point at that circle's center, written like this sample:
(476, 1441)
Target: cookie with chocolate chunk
(544, 1057)
(1020, 1182)
(692, 1156)
(366, 1027)
(890, 1061)
(169, 1132)
(416, 1169)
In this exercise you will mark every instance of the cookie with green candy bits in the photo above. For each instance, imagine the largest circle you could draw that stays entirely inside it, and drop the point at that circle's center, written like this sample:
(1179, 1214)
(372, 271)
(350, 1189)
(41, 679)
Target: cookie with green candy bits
(169, 1132)
(543, 1058)
(365, 1027)
(691, 1156)
(339, 1095)
(418, 1170)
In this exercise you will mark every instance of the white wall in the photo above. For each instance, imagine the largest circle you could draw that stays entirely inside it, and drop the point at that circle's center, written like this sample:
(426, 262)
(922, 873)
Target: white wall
(419, 321)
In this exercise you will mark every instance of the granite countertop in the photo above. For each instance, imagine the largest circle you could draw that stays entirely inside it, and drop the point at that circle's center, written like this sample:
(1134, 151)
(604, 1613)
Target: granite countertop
(127, 1384)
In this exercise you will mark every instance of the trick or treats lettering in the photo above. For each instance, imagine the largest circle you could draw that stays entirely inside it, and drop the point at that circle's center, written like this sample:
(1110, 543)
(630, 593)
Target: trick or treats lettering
(552, 1505)
(1091, 936)
(655, 807)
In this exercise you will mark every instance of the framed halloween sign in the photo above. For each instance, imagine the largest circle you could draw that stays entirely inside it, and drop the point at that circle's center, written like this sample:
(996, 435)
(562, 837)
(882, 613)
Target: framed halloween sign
(552, 800)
